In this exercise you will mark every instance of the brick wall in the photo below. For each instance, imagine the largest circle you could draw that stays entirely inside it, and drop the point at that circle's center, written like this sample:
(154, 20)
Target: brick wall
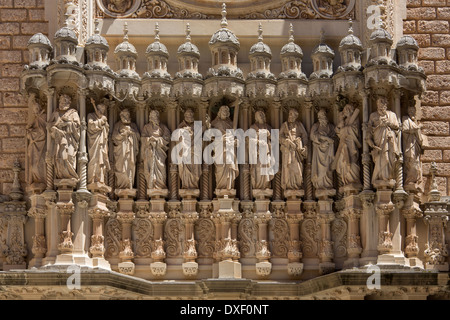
(19, 20)
(428, 22)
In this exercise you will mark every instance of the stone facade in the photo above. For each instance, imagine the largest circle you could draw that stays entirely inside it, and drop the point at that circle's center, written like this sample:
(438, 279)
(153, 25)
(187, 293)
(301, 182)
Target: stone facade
(428, 23)
(87, 177)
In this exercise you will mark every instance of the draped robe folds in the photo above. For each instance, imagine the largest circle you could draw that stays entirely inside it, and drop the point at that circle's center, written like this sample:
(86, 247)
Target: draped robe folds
(292, 174)
(155, 140)
(190, 173)
(259, 180)
(98, 129)
(37, 133)
(65, 132)
(228, 171)
(412, 146)
(385, 137)
(322, 156)
(347, 154)
(126, 147)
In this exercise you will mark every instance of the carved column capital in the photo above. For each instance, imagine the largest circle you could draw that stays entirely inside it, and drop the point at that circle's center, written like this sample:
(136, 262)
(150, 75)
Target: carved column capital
(126, 217)
(98, 213)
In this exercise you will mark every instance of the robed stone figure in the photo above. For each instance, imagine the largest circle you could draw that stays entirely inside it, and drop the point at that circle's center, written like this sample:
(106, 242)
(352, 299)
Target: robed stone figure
(64, 127)
(294, 142)
(226, 166)
(155, 144)
(382, 138)
(189, 170)
(37, 142)
(322, 138)
(98, 130)
(346, 161)
(260, 171)
(412, 149)
(125, 139)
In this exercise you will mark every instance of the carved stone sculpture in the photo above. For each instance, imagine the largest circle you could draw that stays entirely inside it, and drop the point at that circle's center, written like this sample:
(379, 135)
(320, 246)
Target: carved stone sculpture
(294, 142)
(227, 172)
(119, 6)
(64, 127)
(155, 140)
(412, 149)
(189, 173)
(382, 138)
(346, 161)
(36, 135)
(126, 147)
(98, 130)
(322, 138)
(259, 179)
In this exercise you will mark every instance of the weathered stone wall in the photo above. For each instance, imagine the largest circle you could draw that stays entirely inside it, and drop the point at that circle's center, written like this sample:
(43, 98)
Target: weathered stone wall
(428, 22)
(19, 20)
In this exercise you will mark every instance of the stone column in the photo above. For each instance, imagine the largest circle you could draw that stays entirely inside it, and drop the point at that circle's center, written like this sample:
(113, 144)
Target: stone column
(189, 215)
(352, 215)
(326, 252)
(399, 195)
(369, 226)
(126, 217)
(48, 159)
(97, 249)
(158, 267)
(295, 267)
(411, 212)
(245, 179)
(276, 184)
(309, 119)
(82, 152)
(173, 168)
(39, 242)
(140, 121)
(262, 217)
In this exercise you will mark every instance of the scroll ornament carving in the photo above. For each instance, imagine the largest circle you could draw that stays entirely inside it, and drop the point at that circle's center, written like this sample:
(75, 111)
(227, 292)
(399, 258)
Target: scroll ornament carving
(16, 249)
(113, 237)
(309, 234)
(205, 235)
(173, 235)
(143, 231)
(339, 234)
(247, 237)
(299, 9)
(280, 241)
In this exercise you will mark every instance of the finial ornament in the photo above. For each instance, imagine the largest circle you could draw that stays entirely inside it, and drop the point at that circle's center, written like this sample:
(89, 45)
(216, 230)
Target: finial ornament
(188, 32)
(322, 36)
(291, 33)
(350, 28)
(157, 31)
(260, 32)
(125, 31)
(224, 22)
(97, 29)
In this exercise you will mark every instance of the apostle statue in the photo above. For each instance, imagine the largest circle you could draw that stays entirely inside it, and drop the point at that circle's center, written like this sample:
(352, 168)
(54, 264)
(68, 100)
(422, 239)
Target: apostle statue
(125, 138)
(226, 166)
(155, 144)
(412, 145)
(36, 135)
(190, 172)
(259, 171)
(294, 142)
(322, 138)
(64, 128)
(98, 130)
(347, 155)
(382, 138)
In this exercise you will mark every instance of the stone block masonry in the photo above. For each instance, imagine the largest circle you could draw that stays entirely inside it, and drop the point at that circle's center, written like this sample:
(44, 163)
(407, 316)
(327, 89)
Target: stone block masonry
(428, 22)
(19, 20)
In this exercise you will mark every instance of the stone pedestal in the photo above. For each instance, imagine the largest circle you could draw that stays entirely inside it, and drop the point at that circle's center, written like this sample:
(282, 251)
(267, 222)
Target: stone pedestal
(326, 251)
(157, 193)
(369, 229)
(126, 217)
(352, 213)
(229, 269)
